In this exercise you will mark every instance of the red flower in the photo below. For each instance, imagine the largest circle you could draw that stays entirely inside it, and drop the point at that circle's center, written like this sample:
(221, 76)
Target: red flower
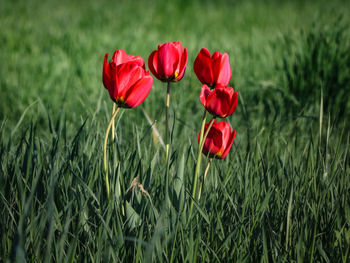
(219, 140)
(119, 57)
(168, 62)
(212, 70)
(128, 83)
(221, 101)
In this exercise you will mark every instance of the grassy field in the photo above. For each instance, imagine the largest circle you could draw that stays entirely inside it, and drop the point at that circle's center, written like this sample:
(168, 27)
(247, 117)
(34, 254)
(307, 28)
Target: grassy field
(281, 195)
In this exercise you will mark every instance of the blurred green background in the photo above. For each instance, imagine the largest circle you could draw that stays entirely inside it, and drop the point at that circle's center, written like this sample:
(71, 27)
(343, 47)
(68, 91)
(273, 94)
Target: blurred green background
(282, 54)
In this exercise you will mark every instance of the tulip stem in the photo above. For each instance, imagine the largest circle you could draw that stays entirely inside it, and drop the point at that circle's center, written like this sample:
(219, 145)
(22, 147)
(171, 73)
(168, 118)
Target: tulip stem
(167, 105)
(198, 164)
(205, 176)
(167, 144)
(105, 149)
(113, 128)
(202, 139)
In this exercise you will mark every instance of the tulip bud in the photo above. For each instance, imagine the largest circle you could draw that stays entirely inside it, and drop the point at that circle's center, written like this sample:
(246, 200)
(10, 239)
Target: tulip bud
(168, 62)
(212, 70)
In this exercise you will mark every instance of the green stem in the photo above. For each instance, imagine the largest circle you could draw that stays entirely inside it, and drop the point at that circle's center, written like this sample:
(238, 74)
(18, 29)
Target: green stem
(198, 164)
(167, 105)
(201, 144)
(113, 128)
(105, 149)
(167, 144)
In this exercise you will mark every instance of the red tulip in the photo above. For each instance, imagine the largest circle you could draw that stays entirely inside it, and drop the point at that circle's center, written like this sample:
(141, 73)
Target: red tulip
(128, 84)
(221, 101)
(168, 62)
(119, 57)
(212, 70)
(219, 140)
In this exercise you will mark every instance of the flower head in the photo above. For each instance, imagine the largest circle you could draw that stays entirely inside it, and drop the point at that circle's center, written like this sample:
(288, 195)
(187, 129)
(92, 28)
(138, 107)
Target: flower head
(212, 70)
(221, 101)
(119, 57)
(168, 62)
(128, 83)
(219, 140)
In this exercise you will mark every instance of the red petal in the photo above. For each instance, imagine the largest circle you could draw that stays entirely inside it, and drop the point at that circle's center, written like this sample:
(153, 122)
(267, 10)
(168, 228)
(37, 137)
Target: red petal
(234, 101)
(225, 129)
(119, 57)
(218, 103)
(138, 93)
(168, 60)
(106, 74)
(213, 143)
(136, 59)
(127, 75)
(229, 144)
(182, 65)
(222, 70)
(178, 46)
(216, 55)
(153, 63)
(202, 67)
(205, 92)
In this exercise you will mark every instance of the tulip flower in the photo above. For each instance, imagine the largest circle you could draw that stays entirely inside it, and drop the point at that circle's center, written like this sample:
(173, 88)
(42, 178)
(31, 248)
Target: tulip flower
(128, 84)
(119, 57)
(212, 70)
(219, 139)
(168, 62)
(221, 101)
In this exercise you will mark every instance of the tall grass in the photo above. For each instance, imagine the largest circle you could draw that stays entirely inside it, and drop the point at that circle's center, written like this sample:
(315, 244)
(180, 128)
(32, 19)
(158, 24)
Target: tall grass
(282, 195)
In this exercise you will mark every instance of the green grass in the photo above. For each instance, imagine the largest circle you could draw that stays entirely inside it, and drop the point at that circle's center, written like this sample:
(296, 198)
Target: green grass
(281, 195)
